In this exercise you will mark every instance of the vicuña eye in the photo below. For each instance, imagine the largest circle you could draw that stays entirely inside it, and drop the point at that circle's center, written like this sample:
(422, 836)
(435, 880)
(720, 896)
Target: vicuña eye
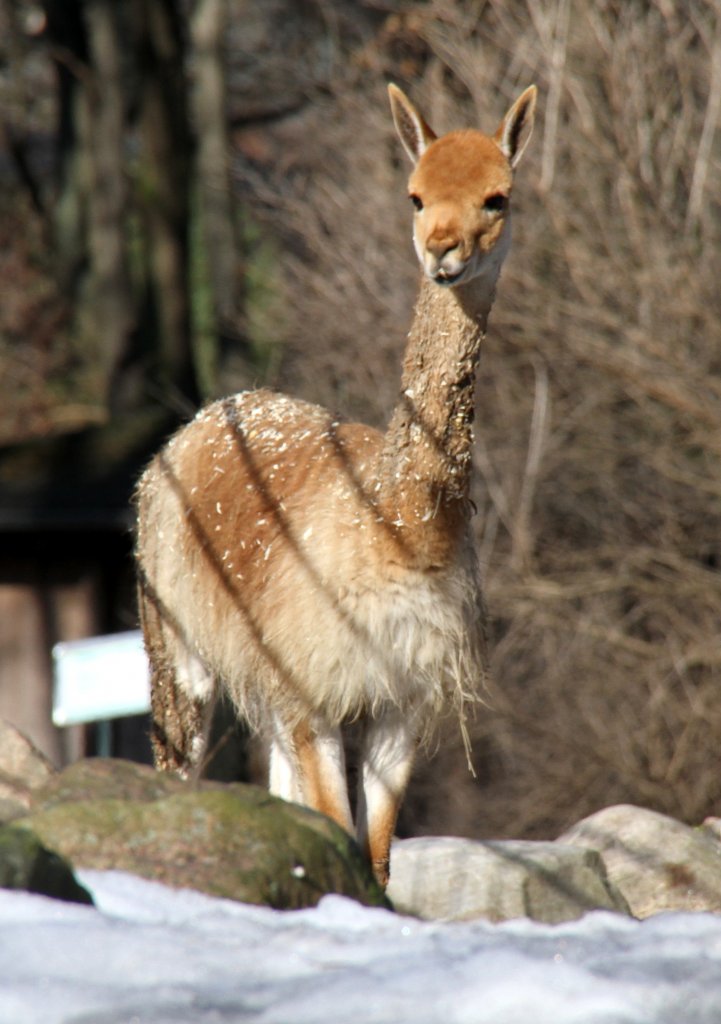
(496, 203)
(417, 202)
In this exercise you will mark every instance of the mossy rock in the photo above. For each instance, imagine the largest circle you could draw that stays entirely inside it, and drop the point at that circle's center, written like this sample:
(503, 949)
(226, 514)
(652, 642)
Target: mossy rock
(25, 863)
(106, 778)
(235, 841)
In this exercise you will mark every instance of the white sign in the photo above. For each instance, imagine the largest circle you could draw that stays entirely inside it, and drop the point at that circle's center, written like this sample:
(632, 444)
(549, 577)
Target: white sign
(100, 678)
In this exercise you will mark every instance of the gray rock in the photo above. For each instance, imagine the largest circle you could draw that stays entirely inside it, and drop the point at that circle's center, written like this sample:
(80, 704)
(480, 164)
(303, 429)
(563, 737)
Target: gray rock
(234, 841)
(26, 864)
(23, 768)
(453, 879)
(712, 826)
(656, 862)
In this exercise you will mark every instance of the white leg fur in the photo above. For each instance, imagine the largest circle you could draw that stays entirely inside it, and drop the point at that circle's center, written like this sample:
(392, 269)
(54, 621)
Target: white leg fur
(192, 675)
(330, 761)
(284, 775)
(307, 766)
(390, 744)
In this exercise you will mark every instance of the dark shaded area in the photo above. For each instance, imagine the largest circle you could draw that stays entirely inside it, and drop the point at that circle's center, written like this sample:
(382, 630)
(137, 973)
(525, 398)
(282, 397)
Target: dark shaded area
(26, 864)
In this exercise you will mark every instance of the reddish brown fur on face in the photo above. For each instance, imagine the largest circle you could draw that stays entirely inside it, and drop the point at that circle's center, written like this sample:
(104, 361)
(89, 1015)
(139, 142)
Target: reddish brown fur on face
(454, 178)
(462, 164)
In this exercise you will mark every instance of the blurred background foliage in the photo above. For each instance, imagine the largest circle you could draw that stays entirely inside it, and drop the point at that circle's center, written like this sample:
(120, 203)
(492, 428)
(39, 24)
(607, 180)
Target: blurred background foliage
(203, 196)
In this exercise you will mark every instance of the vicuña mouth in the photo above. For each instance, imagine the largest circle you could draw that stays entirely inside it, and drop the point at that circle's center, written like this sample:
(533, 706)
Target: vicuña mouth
(446, 278)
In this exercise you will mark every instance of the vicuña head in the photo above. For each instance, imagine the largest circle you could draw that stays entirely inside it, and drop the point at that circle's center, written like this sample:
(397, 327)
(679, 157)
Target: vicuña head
(461, 188)
(320, 571)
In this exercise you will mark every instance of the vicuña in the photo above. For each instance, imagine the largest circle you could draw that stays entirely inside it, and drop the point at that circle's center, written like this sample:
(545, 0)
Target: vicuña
(320, 571)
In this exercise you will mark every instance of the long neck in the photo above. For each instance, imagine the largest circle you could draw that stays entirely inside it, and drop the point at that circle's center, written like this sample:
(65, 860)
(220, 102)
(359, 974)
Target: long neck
(425, 464)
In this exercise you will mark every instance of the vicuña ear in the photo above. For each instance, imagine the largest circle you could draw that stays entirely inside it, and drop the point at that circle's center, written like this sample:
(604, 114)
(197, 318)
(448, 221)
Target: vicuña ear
(412, 130)
(515, 129)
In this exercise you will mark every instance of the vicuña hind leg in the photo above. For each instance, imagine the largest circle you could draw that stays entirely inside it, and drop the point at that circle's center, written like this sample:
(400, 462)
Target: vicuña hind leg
(307, 765)
(389, 749)
(182, 697)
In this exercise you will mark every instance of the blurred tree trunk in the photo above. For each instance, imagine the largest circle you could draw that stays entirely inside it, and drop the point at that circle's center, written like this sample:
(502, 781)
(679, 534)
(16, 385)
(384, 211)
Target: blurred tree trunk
(165, 182)
(221, 250)
(101, 120)
(91, 208)
(121, 67)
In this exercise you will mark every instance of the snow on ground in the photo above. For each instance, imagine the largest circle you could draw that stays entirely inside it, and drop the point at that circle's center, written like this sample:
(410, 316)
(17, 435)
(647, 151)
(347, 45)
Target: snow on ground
(149, 955)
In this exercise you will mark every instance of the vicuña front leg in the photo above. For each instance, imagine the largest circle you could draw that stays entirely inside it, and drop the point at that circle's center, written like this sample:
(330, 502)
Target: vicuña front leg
(389, 749)
(307, 765)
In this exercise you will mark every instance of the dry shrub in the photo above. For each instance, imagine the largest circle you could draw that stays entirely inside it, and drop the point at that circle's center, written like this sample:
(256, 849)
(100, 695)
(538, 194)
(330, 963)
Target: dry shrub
(336, 203)
(599, 400)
